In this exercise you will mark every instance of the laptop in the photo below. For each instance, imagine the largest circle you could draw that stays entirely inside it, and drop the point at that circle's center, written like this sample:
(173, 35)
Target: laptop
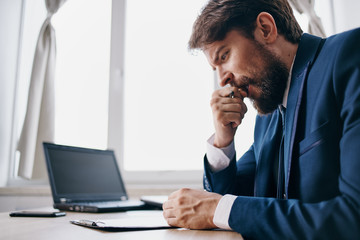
(87, 180)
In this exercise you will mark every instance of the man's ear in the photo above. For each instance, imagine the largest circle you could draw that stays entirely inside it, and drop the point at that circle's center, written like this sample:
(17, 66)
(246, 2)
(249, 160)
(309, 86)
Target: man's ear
(266, 30)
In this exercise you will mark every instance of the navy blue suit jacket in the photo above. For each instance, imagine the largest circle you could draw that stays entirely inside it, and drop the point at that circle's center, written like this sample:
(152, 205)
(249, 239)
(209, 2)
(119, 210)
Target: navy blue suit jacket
(322, 152)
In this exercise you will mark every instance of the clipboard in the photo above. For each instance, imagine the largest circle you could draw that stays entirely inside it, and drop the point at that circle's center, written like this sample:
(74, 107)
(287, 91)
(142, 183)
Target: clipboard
(124, 224)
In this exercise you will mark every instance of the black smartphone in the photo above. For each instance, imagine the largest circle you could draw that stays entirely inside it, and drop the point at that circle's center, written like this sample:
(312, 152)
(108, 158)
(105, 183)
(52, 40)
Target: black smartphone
(36, 214)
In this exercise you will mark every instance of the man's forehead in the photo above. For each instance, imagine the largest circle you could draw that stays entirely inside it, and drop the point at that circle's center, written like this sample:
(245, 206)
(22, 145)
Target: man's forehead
(212, 48)
(231, 36)
(209, 49)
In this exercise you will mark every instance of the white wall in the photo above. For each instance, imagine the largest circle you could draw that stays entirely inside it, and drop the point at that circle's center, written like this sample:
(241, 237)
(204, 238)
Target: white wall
(346, 14)
(10, 11)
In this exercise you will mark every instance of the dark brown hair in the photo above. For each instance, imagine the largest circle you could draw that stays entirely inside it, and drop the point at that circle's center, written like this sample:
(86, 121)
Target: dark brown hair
(219, 17)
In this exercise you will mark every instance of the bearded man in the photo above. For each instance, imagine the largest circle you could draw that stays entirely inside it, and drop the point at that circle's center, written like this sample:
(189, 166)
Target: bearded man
(299, 179)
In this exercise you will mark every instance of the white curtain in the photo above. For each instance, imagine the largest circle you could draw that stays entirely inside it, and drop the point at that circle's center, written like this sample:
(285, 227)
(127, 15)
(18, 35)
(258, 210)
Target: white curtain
(39, 119)
(307, 7)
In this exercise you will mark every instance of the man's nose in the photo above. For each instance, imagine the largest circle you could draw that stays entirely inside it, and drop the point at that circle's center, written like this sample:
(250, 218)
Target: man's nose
(225, 78)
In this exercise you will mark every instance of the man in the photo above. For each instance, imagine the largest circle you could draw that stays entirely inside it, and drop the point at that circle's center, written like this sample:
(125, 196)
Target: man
(300, 178)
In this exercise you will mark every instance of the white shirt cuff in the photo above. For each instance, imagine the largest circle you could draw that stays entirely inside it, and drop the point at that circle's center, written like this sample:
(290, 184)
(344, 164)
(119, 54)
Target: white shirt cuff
(222, 212)
(219, 158)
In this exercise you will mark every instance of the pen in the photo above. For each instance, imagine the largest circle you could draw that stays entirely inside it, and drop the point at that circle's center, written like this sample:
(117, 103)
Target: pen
(88, 223)
(231, 95)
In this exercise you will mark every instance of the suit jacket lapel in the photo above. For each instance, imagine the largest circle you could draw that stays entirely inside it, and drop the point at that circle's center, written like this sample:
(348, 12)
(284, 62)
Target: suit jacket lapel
(306, 54)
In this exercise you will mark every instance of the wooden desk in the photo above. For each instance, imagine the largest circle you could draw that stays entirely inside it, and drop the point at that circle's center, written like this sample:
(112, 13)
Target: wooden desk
(16, 228)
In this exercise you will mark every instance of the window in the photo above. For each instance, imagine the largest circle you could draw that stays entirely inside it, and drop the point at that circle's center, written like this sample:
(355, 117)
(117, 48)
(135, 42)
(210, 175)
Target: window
(167, 90)
(82, 72)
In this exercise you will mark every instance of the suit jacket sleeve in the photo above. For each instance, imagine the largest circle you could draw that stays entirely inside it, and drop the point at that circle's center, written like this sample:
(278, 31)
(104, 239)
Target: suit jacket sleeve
(237, 178)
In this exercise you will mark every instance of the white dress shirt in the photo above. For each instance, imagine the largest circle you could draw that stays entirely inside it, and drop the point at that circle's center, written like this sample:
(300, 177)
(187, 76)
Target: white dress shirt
(219, 159)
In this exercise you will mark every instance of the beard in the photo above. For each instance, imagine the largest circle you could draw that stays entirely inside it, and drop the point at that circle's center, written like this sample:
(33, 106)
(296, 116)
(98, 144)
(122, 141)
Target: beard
(271, 81)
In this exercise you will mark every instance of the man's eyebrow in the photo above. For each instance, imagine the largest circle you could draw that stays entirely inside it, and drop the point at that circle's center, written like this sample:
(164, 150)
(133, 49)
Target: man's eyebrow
(216, 55)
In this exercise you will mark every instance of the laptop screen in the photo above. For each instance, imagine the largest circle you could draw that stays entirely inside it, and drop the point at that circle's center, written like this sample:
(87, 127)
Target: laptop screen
(83, 174)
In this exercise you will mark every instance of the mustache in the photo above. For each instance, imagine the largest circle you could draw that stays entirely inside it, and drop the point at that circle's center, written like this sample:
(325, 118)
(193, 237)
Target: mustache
(245, 82)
